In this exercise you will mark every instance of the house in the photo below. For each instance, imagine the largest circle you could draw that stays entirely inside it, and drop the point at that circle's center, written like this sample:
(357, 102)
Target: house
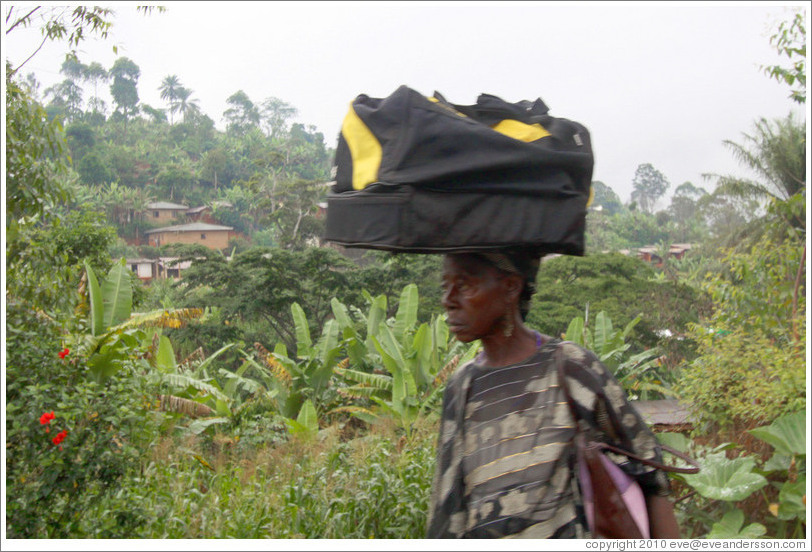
(164, 211)
(212, 236)
(170, 267)
(145, 269)
(651, 253)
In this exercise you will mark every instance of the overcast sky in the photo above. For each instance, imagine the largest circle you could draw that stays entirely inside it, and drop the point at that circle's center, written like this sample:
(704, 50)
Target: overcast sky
(659, 83)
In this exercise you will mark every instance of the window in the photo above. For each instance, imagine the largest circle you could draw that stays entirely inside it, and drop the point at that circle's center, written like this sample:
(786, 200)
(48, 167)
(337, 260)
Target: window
(202, 236)
(156, 214)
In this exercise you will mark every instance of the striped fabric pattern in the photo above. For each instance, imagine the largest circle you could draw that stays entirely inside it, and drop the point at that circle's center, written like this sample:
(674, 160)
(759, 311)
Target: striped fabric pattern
(505, 453)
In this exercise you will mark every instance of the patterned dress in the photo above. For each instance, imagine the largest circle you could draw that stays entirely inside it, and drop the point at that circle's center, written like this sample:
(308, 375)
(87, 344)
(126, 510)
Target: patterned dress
(505, 455)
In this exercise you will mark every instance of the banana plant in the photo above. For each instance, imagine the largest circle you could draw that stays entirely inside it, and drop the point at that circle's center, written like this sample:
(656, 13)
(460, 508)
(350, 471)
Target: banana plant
(117, 336)
(302, 381)
(399, 368)
(636, 373)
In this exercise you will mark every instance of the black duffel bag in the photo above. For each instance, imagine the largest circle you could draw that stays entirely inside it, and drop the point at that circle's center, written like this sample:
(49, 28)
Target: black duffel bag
(418, 174)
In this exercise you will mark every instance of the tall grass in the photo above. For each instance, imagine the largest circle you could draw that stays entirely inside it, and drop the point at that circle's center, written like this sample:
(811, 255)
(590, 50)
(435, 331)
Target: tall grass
(374, 485)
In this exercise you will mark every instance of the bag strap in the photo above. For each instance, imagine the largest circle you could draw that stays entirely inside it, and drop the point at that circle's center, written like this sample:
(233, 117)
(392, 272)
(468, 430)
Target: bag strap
(559, 363)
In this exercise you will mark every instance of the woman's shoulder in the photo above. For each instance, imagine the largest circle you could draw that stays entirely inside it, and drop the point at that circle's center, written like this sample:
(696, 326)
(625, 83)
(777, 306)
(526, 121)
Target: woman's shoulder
(583, 365)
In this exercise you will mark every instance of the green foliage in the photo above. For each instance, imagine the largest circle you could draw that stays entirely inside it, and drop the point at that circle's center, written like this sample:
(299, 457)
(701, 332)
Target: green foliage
(35, 161)
(790, 40)
(50, 486)
(751, 363)
(649, 185)
(619, 285)
(731, 526)
(417, 359)
(638, 373)
(727, 483)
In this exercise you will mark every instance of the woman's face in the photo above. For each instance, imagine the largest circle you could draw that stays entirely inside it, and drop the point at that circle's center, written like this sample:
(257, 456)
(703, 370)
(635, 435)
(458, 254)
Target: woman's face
(474, 296)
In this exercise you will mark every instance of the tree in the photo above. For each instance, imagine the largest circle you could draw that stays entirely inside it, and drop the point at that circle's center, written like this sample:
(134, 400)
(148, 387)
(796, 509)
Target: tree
(156, 115)
(187, 106)
(790, 40)
(684, 202)
(242, 114)
(275, 116)
(56, 23)
(124, 89)
(66, 98)
(622, 286)
(776, 152)
(169, 92)
(649, 186)
(95, 73)
(606, 198)
(35, 162)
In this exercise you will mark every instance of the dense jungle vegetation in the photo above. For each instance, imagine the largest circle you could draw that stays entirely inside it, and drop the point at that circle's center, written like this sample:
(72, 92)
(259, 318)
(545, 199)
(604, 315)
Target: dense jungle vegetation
(282, 388)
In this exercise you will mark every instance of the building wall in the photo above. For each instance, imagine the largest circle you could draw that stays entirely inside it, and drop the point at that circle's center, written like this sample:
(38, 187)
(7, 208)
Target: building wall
(214, 239)
(165, 215)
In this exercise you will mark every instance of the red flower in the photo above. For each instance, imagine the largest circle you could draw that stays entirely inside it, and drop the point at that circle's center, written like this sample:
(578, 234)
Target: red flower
(60, 437)
(46, 418)
(64, 353)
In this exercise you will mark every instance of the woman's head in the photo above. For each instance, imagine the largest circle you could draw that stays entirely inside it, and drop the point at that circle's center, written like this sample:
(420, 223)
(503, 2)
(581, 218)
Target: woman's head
(484, 293)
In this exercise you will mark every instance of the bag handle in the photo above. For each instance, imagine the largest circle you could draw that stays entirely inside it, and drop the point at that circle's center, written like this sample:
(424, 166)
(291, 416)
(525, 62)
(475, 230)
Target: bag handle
(559, 363)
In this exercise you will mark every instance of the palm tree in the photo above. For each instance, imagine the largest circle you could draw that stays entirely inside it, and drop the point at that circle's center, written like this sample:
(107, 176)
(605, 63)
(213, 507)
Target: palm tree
(187, 105)
(169, 91)
(776, 152)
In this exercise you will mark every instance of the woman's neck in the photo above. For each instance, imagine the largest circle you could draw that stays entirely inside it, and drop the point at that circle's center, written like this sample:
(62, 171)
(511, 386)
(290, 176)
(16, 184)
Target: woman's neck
(502, 350)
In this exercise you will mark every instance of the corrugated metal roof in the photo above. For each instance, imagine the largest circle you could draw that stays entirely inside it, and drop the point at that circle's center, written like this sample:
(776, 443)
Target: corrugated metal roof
(192, 227)
(165, 205)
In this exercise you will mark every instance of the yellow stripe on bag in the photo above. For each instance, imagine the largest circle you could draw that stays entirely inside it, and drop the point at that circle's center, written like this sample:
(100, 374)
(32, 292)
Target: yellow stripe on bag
(520, 131)
(365, 150)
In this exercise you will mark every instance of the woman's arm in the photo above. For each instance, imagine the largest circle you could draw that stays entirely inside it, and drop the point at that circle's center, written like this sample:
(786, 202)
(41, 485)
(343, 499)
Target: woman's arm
(661, 518)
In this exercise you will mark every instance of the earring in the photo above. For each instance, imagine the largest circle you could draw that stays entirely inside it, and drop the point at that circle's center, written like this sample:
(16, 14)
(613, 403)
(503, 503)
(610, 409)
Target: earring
(508, 330)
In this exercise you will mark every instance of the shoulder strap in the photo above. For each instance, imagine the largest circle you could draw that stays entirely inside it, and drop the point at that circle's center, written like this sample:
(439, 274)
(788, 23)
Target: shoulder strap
(559, 364)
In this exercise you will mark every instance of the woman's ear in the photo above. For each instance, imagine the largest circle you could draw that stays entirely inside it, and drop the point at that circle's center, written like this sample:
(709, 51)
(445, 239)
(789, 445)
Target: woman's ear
(513, 286)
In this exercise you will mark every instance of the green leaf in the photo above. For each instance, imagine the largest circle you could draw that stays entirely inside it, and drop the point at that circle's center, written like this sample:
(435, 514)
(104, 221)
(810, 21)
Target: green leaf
(222, 408)
(575, 331)
(376, 313)
(603, 333)
(777, 462)
(328, 343)
(376, 381)
(303, 341)
(792, 500)
(787, 434)
(96, 302)
(674, 440)
(406, 316)
(307, 417)
(424, 370)
(730, 527)
(341, 314)
(117, 294)
(165, 357)
(199, 426)
(205, 364)
(724, 479)
(306, 423)
(182, 381)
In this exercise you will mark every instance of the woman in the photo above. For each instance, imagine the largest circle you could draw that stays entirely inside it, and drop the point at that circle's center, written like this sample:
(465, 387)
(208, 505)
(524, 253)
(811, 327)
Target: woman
(505, 453)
